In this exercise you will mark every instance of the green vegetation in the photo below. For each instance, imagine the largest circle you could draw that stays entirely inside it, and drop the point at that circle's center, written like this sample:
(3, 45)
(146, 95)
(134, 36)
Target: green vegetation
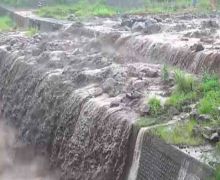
(5, 23)
(32, 31)
(184, 83)
(217, 174)
(185, 91)
(210, 101)
(155, 107)
(178, 100)
(165, 74)
(179, 134)
(81, 9)
(188, 90)
(146, 121)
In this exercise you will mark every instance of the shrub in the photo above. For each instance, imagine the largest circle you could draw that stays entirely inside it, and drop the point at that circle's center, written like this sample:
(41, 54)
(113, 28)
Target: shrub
(209, 103)
(178, 100)
(210, 82)
(155, 106)
(165, 74)
(185, 83)
(210, 89)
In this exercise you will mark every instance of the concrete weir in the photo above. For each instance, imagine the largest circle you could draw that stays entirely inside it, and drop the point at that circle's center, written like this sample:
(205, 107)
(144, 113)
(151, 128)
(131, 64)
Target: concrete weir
(155, 160)
(26, 19)
(74, 95)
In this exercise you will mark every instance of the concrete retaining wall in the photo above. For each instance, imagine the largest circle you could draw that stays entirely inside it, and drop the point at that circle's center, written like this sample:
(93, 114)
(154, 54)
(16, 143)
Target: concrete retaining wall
(43, 24)
(160, 161)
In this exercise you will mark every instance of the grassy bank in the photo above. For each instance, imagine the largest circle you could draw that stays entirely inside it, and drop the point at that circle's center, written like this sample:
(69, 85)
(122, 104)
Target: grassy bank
(5, 23)
(203, 92)
(60, 9)
(83, 8)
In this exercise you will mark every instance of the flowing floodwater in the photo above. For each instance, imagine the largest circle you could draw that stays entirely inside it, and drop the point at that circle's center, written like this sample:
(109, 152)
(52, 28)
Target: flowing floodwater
(18, 161)
(74, 96)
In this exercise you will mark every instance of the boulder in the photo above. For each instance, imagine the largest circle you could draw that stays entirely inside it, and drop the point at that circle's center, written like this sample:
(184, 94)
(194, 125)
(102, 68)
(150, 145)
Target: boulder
(214, 138)
(203, 118)
(138, 26)
(127, 23)
(134, 95)
(173, 111)
(209, 24)
(197, 47)
(71, 17)
(115, 103)
(144, 110)
(194, 114)
(151, 26)
(139, 84)
(108, 85)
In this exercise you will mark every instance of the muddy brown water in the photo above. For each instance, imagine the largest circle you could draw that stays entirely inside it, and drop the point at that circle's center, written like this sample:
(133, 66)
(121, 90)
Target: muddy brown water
(19, 161)
(74, 96)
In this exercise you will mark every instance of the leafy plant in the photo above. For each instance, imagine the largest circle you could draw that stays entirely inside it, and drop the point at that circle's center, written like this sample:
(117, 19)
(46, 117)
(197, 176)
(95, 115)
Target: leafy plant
(178, 100)
(185, 83)
(210, 100)
(165, 74)
(155, 106)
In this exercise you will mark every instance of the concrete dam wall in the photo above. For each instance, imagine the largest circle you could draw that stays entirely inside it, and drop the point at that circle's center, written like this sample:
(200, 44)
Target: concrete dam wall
(73, 95)
(156, 160)
(26, 19)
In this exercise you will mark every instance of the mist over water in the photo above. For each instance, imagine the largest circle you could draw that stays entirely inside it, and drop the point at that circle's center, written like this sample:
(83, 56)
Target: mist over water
(18, 162)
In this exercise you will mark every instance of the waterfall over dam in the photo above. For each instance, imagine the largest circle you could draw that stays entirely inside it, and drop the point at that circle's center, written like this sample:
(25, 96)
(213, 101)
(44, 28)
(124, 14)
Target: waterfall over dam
(74, 96)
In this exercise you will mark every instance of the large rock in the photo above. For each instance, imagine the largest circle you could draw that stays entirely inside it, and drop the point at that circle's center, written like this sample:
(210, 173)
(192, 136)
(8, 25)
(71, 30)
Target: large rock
(149, 26)
(209, 24)
(138, 26)
(152, 27)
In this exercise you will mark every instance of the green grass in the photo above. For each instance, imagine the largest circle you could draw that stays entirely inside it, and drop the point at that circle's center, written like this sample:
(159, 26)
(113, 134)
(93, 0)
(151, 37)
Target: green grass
(210, 101)
(5, 23)
(80, 9)
(155, 107)
(188, 90)
(165, 74)
(32, 31)
(217, 174)
(84, 8)
(149, 6)
(185, 92)
(146, 121)
(178, 99)
(184, 83)
(179, 134)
